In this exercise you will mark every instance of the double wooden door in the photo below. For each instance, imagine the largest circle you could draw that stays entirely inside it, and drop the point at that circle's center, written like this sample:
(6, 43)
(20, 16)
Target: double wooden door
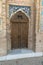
(19, 35)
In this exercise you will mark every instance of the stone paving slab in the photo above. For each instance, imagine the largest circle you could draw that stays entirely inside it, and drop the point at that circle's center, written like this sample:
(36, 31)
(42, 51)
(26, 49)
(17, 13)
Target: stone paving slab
(22, 59)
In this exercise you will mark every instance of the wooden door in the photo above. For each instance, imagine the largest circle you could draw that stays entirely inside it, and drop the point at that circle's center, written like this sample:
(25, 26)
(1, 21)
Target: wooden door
(14, 35)
(24, 35)
(19, 35)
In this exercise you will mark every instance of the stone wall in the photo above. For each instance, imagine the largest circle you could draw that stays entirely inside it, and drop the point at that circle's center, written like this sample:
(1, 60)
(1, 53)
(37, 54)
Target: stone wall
(31, 22)
(3, 41)
(35, 37)
(39, 33)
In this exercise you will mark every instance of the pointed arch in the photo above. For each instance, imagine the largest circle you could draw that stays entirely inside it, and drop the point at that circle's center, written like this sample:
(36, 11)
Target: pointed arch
(19, 15)
(19, 29)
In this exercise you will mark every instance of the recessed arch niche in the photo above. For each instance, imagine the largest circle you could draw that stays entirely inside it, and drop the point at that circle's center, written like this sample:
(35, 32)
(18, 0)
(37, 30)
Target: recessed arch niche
(19, 30)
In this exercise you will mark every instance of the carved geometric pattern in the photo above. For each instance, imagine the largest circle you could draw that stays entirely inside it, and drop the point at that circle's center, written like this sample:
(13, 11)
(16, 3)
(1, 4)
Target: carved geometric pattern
(14, 8)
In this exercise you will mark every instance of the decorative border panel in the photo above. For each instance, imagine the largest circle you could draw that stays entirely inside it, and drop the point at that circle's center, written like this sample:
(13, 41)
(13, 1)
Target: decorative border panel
(14, 8)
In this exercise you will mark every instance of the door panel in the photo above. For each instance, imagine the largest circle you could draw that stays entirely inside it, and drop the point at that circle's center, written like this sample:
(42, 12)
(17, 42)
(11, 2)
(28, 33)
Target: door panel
(19, 35)
(24, 35)
(14, 35)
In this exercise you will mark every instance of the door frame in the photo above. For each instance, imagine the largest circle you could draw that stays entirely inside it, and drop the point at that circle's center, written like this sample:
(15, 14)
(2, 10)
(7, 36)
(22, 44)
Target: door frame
(30, 34)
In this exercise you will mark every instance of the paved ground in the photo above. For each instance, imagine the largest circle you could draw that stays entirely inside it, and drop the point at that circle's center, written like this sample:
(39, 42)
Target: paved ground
(25, 61)
(22, 59)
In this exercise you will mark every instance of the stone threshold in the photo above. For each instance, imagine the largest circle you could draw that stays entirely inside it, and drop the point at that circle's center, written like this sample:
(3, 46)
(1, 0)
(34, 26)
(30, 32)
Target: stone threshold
(21, 56)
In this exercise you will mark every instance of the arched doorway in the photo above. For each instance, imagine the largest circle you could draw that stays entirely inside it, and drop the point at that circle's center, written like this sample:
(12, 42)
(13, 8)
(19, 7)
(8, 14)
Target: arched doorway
(19, 30)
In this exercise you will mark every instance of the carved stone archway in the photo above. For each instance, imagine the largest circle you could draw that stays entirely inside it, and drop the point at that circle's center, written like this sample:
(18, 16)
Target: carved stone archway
(13, 19)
